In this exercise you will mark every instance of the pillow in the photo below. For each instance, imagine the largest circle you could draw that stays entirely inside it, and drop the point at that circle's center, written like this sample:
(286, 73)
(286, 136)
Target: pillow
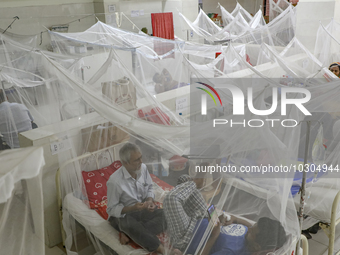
(95, 182)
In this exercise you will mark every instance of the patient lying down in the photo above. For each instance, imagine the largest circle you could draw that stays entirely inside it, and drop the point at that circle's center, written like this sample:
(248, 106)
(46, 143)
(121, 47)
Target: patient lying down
(239, 237)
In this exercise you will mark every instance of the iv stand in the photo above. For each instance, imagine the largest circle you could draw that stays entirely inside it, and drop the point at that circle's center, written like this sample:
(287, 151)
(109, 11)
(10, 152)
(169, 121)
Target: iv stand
(303, 187)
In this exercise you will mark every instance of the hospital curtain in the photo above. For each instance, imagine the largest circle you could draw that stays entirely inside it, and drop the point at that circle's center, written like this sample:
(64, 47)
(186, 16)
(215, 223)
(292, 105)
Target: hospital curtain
(163, 25)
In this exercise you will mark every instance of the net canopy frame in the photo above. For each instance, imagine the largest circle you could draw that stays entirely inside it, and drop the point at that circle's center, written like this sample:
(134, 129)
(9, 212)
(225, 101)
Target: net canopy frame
(116, 86)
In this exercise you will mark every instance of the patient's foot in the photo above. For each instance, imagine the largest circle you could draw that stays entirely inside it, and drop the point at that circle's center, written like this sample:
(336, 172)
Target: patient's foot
(123, 239)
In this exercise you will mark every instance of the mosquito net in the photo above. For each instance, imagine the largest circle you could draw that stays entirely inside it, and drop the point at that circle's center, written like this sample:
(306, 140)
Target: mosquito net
(276, 7)
(204, 22)
(226, 16)
(243, 12)
(242, 149)
(163, 136)
(21, 201)
(298, 64)
(30, 95)
(159, 124)
(327, 43)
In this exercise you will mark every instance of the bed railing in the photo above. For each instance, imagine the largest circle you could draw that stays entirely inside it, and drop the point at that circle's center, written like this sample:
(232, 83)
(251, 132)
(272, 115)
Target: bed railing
(113, 152)
(329, 229)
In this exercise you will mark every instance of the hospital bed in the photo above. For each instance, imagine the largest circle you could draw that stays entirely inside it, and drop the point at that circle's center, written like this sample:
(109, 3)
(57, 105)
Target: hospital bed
(327, 212)
(96, 225)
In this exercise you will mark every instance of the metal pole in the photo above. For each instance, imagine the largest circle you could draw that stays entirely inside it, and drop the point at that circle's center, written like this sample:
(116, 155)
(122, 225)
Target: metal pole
(303, 186)
(3, 89)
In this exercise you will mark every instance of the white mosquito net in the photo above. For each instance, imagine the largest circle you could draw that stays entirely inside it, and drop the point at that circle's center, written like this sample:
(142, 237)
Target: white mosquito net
(327, 43)
(154, 118)
(21, 201)
(226, 16)
(276, 7)
(243, 12)
(105, 87)
(205, 23)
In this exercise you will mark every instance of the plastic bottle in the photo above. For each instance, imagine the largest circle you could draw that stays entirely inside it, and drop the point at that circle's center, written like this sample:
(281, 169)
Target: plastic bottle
(226, 216)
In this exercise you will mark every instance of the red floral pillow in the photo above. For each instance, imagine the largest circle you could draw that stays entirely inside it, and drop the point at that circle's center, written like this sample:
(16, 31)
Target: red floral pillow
(95, 182)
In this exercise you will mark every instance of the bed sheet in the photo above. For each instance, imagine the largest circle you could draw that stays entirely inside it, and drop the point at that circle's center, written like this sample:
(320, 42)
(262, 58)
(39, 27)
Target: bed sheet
(93, 222)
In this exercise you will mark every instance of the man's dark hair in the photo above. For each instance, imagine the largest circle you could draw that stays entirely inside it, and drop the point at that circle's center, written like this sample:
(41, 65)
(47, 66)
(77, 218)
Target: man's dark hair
(183, 178)
(271, 235)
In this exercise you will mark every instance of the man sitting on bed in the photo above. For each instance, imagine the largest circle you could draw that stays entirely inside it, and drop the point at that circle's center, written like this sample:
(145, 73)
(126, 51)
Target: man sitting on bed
(183, 207)
(130, 206)
(185, 212)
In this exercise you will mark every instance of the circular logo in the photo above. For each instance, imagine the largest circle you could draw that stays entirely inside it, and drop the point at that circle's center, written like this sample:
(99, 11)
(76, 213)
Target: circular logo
(234, 230)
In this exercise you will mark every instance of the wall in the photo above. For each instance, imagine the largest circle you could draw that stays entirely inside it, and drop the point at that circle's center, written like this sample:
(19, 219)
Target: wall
(142, 8)
(307, 25)
(189, 8)
(138, 12)
(36, 16)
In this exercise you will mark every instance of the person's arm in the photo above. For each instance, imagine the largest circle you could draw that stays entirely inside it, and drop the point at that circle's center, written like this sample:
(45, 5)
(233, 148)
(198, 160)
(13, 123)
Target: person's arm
(149, 201)
(236, 220)
(28, 112)
(30, 116)
(114, 207)
(136, 207)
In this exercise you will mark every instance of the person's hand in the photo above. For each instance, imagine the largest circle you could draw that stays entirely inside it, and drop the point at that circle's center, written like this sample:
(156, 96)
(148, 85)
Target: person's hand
(150, 205)
(233, 220)
(139, 206)
(216, 230)
(222, 219)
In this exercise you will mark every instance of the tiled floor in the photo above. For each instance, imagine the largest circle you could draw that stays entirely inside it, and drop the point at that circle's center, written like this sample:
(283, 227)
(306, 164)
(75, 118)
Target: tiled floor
(318, 245)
